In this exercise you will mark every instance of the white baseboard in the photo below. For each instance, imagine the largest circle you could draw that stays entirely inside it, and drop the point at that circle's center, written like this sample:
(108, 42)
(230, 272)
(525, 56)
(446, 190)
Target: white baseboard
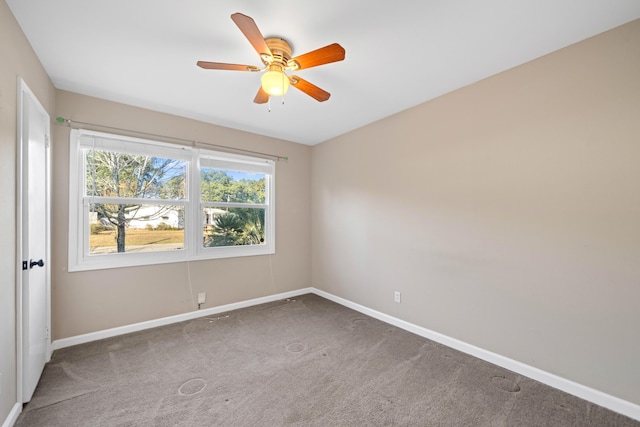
(13, 415)
(108, 333)
(587, 393)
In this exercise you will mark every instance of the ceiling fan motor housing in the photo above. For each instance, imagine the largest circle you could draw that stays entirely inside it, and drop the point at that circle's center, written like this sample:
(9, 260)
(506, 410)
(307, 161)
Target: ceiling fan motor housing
(280, 54)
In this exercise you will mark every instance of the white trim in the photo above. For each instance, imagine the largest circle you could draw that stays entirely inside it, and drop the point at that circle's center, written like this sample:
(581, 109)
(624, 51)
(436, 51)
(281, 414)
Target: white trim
(19, 161)
(108, 333)
(13, 415)
(79, 258)
(587, 393)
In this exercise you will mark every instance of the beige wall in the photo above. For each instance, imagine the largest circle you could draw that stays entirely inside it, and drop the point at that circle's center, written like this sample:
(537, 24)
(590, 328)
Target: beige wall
(16, 60)
(96, 300)
(507, 213)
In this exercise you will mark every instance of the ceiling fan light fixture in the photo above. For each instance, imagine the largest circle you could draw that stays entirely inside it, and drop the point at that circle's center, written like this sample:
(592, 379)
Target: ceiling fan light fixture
(275, 82)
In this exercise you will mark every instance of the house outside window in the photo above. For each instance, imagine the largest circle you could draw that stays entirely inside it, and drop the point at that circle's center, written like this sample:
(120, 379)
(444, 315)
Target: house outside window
(139, 202)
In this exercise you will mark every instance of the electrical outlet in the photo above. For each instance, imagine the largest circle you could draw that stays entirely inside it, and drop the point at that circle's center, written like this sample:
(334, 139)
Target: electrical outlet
(396, 296)
(202, 297)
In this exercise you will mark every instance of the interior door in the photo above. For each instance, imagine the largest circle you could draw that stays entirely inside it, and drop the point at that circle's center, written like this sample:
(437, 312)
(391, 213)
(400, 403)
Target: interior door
(34, 139)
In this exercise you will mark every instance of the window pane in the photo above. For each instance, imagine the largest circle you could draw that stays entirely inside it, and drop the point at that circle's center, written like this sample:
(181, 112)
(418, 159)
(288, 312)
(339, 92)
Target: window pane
(219, 185)
(136, 202)
(233, 227)
(112, 174)
(121, 228)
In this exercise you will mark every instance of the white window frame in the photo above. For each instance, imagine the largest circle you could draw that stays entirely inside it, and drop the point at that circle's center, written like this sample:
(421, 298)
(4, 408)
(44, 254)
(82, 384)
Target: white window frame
(79, 257)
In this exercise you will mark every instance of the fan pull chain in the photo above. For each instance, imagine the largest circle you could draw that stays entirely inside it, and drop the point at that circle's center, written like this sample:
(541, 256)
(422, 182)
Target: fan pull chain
(269, 104)
(284, 76)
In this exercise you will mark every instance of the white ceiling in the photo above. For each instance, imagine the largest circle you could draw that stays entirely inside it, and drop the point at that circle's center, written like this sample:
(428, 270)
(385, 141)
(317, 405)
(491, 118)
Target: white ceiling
(399, 54)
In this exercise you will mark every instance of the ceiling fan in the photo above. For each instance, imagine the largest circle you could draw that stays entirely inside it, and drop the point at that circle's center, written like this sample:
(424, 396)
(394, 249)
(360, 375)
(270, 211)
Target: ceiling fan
(275, 54)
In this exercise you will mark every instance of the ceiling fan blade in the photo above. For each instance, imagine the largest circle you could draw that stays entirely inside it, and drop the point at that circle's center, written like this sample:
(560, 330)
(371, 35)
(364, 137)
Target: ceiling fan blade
(250, 30)
(223, 66)
(325, 55)
(310, 89)
(262, 97)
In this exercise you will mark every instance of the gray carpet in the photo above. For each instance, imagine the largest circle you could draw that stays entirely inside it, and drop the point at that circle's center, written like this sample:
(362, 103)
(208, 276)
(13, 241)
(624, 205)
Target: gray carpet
(301, 362)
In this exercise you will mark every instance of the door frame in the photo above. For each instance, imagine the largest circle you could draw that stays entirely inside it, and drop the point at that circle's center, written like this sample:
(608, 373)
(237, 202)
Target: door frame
(23, 92)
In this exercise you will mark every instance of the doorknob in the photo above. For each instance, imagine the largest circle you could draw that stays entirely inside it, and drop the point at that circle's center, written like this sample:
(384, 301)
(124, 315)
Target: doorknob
(39, 263)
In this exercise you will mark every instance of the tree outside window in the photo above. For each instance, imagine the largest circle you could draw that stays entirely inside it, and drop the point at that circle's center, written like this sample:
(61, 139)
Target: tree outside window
(140, 202)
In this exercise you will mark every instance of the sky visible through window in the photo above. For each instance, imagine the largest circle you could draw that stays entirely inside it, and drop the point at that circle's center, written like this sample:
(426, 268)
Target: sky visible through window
(135, 207)
(239, 176)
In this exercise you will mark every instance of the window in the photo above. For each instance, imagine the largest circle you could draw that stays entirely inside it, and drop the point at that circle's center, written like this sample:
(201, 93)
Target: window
(139, 202)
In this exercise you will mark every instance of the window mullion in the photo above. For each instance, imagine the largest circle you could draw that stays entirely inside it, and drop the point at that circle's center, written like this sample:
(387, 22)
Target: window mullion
(250, 226)
(195, 222)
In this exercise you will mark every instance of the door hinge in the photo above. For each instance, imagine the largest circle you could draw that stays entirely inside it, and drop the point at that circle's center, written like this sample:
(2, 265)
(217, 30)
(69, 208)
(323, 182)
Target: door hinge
(25, 265)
